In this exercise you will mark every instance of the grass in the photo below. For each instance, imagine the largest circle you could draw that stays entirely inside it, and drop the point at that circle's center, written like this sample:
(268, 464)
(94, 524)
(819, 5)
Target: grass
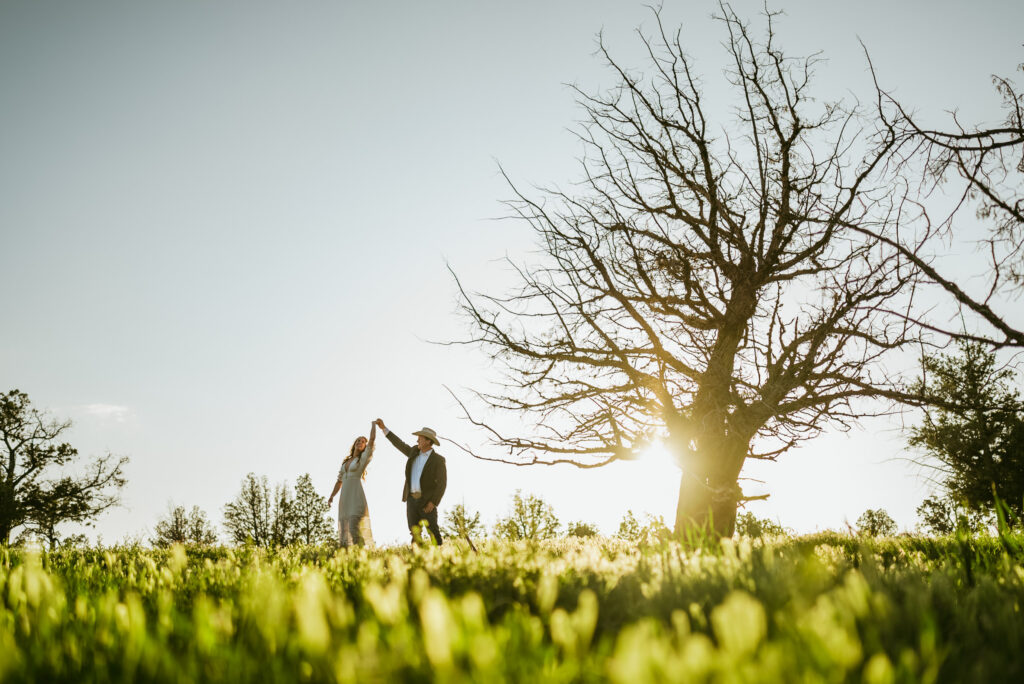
(825, 608)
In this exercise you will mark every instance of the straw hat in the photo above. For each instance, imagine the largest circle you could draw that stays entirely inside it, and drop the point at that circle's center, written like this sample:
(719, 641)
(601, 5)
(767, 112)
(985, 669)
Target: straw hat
(429, 434)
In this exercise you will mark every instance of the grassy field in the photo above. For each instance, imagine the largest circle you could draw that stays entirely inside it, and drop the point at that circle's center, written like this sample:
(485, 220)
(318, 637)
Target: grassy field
(826, 608)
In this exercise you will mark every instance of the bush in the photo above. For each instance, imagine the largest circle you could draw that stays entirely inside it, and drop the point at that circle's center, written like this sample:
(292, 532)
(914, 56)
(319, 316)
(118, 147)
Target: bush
(581, 529)
(652, 530)
(749, 525)
(530, 518)
(183, 527)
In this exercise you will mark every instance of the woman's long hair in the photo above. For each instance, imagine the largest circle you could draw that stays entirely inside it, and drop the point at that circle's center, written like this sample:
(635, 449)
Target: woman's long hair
(353, 454)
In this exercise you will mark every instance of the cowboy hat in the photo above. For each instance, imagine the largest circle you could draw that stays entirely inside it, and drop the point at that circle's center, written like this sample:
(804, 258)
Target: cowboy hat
(429, 434)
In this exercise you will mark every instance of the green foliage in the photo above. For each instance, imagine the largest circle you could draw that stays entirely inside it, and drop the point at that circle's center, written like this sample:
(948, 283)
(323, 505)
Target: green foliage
(310, 514)
(460, 524)
(632, 530)
(942, 515)
(975, 433)
(530, 518)
(581, 529)
(749, 525)
(876, 523)
(629, 527)
(823, 608)
(275, 518)
(35, 493)
(182, 527)
(250, 517)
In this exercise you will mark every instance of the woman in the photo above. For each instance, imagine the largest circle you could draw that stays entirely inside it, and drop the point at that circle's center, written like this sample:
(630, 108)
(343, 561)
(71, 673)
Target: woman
(353, 513)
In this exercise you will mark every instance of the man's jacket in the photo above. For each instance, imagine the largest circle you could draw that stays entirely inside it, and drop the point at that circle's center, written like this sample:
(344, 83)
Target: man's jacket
(434, 478)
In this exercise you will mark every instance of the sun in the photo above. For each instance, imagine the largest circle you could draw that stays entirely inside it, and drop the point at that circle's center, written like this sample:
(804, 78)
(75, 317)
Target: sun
(656, 452)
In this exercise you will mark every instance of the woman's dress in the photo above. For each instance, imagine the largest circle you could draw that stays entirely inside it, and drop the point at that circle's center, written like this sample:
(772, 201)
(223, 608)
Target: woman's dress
(353, 512)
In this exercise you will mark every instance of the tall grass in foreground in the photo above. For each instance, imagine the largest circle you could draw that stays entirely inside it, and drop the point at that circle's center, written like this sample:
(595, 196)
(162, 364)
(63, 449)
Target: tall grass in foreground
(827, 608)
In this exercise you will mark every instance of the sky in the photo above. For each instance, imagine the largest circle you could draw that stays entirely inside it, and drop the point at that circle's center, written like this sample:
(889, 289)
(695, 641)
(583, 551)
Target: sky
(225, 230)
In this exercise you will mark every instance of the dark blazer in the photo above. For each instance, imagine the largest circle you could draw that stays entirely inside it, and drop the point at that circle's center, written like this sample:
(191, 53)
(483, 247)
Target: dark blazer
(434, 478)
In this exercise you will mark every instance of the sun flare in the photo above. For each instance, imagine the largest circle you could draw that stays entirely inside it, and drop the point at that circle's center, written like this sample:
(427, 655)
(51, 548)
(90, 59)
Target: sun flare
(655, 452)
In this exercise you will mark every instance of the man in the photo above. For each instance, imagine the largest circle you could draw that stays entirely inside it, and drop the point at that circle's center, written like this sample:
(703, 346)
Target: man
(426, 477)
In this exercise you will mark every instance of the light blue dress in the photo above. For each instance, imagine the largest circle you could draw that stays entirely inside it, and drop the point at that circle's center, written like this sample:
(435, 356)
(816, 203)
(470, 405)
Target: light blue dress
(353, 511)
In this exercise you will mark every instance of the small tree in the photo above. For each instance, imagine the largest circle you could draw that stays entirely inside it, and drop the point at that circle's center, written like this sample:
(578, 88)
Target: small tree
(530, 518)
(749, 525)
(942, 515)
(282, 526)
(460, 524)
(184, 527)
(629, 528)
(310, 514)
(581, 529)
(633, 530)
(258, 516)
(876, 523)
(32, 493)
(974, 438)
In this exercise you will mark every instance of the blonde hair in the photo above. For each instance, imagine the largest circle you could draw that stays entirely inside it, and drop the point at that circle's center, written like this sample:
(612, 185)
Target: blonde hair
(352, 454)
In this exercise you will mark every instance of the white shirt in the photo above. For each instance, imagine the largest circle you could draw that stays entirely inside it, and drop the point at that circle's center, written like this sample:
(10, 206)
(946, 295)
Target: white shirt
(417, 467)
(418, 462)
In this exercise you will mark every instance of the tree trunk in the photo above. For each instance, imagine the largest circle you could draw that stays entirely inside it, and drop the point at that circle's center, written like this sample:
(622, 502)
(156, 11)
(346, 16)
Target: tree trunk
(708, 490)
(6, 515)
(705, 508)
(693, 506)
(713, 454)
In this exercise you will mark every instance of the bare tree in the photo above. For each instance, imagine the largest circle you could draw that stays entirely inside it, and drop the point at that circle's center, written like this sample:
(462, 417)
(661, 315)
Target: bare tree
(31, 493)
(727, 289)
(983, 167)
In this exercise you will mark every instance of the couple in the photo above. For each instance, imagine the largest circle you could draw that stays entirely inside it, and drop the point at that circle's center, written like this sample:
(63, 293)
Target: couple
(426, 477)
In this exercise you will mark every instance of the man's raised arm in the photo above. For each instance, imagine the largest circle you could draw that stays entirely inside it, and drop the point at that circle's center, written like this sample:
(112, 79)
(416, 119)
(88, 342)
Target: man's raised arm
(393, 438)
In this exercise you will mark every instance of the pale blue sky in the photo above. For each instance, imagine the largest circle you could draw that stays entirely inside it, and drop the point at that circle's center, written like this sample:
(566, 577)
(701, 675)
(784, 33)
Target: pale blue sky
(224, 227)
